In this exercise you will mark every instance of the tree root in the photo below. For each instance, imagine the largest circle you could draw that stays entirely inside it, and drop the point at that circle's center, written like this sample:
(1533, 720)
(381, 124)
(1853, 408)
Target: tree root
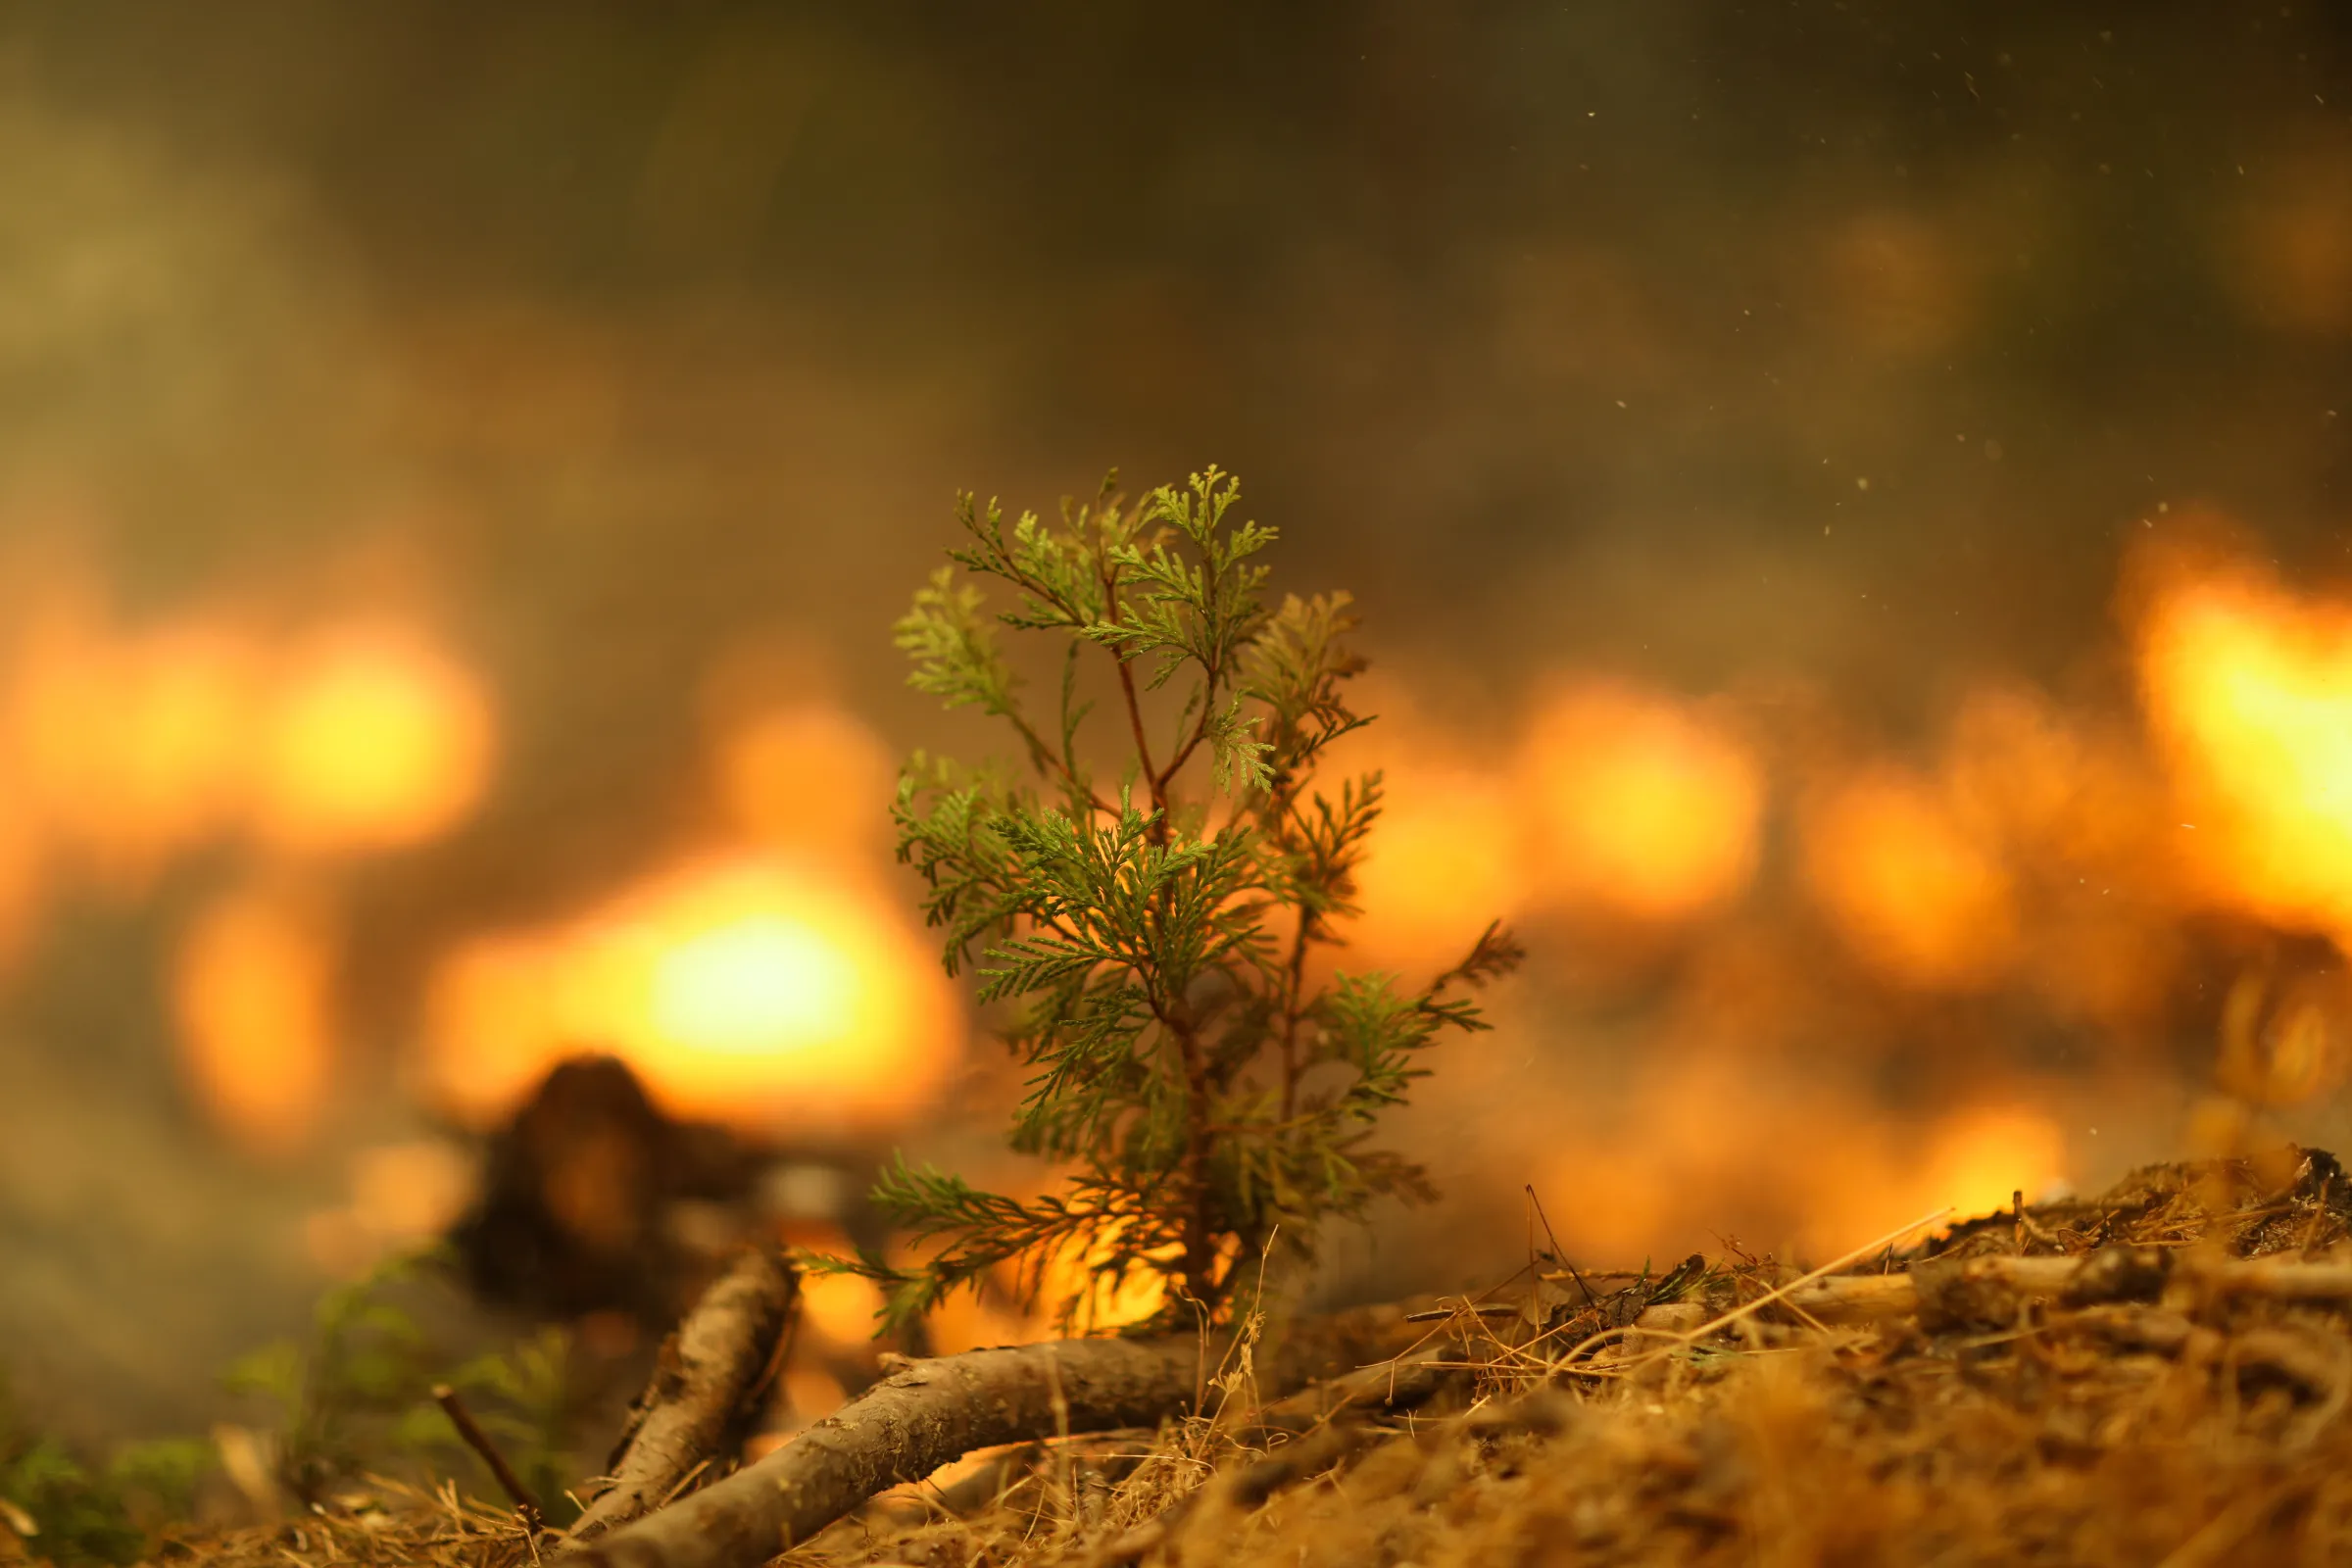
(707, 1382)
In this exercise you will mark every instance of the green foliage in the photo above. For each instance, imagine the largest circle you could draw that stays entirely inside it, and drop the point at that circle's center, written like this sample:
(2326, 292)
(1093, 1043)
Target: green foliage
(360, 1393)
(1152, 929)
(78, 1514)
(364, 1372)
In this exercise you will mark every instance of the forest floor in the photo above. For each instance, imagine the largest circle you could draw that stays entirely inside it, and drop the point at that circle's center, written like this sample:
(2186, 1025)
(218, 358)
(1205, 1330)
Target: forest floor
(2159, 1375)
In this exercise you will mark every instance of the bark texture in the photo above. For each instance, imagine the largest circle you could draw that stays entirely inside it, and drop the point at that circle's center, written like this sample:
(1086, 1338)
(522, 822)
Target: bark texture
(936, 1412)
(708, 1382)
(903, 1428)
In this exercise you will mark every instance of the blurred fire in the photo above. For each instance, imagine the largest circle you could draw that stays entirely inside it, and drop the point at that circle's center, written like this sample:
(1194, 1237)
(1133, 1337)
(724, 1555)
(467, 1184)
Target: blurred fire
(1713, 1137)
(1614, 799)
(1907, 884)
(1445, 861)
(127, 748)
(840, 1308)
(806, 775)
(133, 746)
(779, 985)
(1979, 1159)
(372, 739)
(1639, 805)
(251, 990)
(972, 1320)
(770, 992)
(2249, 694)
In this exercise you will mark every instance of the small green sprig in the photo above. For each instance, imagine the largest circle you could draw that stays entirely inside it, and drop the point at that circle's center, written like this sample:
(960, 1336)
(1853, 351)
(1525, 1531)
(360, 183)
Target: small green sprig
(359, 1393)
(1202, 1089)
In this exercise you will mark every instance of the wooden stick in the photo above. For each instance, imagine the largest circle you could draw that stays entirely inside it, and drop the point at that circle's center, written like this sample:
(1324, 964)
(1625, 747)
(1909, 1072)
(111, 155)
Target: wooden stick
(932, 1412)
(2280, 1279)
(2104, 1275)
(900, 1429)
(479, 1442)
(707, 1382)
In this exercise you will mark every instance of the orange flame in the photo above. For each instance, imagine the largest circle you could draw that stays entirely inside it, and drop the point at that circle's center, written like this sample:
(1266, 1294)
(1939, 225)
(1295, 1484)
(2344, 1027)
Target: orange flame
(806, 776)
(2249, 691)
(1641, 805)
(1979, 1160)
(131, 749)
(125, 748)
(22, 877)
(769, 993)
(251, 987)
(374, 740)
(840, 1308)
(1445, 861)
(1706, 1138)
(1910, 889)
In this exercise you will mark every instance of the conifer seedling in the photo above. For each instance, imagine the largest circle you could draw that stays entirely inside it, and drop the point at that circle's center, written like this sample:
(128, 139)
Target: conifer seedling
(1204, 1093)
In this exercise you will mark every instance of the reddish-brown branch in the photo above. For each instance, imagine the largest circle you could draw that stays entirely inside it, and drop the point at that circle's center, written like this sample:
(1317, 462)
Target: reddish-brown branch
(1132, 699)
(488, 1452)
(1294, 1010)
(1199, 1255)
(1192, 742)
(1152, 782)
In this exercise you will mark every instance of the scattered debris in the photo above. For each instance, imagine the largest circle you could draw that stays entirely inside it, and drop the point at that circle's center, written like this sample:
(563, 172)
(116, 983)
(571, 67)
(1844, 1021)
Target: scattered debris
(2161, 1374)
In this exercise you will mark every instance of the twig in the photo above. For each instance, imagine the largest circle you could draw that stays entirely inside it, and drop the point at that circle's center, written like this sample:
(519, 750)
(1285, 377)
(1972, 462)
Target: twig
(1746, 1309)
(1440, 1315)
(1557, 1249)
(2107, 1274)
(479, 1442)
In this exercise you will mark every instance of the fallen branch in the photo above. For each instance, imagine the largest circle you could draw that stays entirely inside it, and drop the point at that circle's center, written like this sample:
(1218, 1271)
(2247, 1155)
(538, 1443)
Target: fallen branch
(933, 1412)
(1938, 1287)
(1383, 1385)
(1866, 1299)
(902, 1430)
(708, 1382)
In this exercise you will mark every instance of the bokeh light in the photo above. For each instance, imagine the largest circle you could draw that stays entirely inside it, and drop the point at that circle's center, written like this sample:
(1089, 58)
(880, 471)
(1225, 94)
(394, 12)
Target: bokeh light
(252, 988)
(772, 994)
(1639, 805)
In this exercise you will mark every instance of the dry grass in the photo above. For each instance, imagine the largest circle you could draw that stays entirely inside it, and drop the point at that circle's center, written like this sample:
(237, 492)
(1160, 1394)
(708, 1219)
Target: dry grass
(2203, 1425)
(2188, 1415)
(381, 1524)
